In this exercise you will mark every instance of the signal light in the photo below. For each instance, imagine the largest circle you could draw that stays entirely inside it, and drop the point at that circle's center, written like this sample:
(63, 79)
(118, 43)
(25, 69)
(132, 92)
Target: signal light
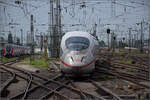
(108, 31)
(114, 38)
(123, 38)
(17, 2)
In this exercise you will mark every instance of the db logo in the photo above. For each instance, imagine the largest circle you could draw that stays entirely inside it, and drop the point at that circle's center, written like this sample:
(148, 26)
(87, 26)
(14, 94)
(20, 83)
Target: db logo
(77, 60)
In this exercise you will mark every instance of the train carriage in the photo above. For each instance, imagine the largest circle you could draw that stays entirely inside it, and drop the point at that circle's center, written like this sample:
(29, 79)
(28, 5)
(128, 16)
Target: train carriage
(9, 50)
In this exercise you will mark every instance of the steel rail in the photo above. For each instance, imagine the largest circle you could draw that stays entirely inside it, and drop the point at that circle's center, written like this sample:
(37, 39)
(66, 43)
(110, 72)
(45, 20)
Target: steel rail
(27, 89)
(112, 68)
(8, 82)
(130, 75)
(105, 89)
(84, 96)
(14, 68)
(69, 87)
(140, 60)
(39, 85)
(53, 91)
(125, 78)
(130, 66)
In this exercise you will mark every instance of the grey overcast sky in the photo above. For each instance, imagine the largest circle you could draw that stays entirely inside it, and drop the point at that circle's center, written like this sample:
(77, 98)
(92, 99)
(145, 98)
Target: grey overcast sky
(125, 14)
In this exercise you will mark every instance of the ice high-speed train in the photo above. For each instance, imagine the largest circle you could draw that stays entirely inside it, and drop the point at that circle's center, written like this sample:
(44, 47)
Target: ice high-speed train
(78, 53)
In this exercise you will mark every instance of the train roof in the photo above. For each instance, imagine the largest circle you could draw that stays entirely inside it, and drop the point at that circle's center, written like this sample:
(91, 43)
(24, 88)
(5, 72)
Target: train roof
(77, 32)
(15, 45)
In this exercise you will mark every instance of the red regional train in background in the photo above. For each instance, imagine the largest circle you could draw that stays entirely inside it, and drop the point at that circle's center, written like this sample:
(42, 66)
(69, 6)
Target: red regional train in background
(9, 50)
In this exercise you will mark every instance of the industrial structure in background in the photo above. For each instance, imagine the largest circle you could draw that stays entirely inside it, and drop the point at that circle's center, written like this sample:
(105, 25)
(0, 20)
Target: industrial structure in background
(131, 37)
(32, 39)
(54, 30)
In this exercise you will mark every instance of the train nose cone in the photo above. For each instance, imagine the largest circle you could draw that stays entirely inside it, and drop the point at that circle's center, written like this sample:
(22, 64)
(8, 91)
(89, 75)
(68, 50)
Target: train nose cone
(76, 60)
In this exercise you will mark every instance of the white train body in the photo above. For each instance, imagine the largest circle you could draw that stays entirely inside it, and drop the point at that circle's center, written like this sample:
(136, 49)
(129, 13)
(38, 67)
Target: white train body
(78, 53)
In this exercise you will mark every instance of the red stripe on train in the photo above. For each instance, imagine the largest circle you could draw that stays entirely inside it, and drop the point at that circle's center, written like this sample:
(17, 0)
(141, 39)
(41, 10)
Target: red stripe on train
(4, 51)
(76, 66)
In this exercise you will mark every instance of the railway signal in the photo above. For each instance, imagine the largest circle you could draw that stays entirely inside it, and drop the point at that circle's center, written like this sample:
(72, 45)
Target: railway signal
(123, 38)
(108, 32)
(114, 38)
(18, 2)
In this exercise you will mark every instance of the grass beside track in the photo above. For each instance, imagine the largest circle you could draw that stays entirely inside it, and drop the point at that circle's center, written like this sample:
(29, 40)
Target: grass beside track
(4, 59)
(128, 61)
(41, 63)
(142, 55)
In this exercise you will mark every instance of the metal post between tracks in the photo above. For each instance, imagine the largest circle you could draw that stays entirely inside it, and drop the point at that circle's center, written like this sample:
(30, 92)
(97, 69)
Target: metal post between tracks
(130, 40)
(32, 40)
(149, 52)
(141, 46)
(149, 42)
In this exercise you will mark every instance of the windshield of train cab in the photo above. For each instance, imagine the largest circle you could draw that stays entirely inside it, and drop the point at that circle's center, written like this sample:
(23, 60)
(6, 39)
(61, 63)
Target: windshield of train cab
(77, 43)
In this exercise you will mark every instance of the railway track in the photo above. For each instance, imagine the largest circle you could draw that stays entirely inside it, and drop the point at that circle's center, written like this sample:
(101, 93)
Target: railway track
(138, 72)
(6, 81)
(112, 95)
(130, 81)
(141, 60)
(10, 80)
(49, 87)
(60, 87)
(125, 65)
(40, 90)
(123, 75)
(26, 76)
(130, 70)
(134, 75)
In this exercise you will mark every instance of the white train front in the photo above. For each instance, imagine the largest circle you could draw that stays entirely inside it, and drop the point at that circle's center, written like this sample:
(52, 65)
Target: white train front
(78, 53)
